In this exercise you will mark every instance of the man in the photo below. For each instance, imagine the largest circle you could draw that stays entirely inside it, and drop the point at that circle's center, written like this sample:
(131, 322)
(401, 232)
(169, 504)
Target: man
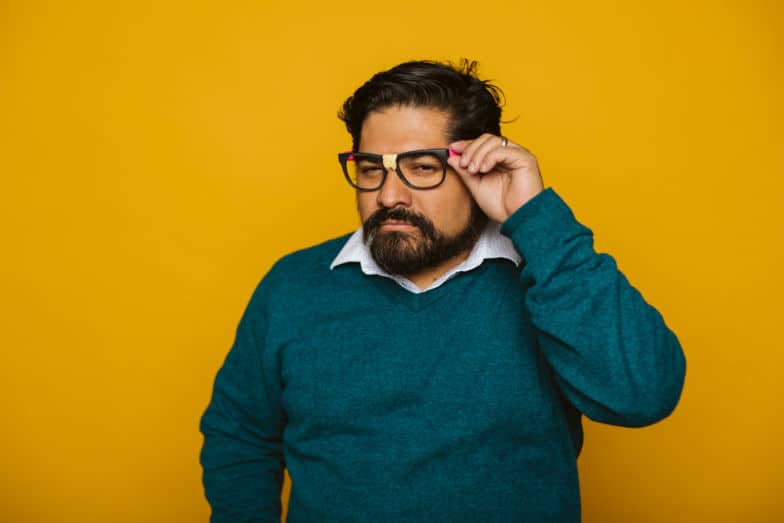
(434, 365)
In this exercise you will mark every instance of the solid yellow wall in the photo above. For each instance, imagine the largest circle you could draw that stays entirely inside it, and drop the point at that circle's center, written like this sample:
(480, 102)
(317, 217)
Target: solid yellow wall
(158, 157)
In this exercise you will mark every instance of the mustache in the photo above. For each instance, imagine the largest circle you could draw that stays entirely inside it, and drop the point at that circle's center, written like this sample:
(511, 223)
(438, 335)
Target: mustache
(373, 223)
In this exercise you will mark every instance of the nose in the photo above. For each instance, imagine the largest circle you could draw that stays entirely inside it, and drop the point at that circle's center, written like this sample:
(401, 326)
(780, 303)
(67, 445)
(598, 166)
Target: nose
(394, 192)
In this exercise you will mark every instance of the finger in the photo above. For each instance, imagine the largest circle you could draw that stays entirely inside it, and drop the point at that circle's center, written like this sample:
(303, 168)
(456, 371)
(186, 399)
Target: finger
(480, 161)
(471, 180)
(505, 158)
(468, 152)
(459, 146)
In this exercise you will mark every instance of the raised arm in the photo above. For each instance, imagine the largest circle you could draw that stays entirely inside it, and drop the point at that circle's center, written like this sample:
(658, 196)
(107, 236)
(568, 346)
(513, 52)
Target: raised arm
(612, 354)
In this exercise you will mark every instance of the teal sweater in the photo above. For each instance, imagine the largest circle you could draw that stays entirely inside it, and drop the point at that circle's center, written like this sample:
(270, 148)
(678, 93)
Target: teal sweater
(460, 404)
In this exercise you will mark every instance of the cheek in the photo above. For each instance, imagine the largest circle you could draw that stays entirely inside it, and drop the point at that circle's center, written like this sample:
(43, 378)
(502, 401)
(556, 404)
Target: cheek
(456, 218)
(366, 205)
(452, 212)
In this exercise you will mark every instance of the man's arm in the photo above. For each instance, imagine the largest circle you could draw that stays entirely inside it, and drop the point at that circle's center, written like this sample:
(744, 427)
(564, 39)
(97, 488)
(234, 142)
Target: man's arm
(611, 352)
(242, 458)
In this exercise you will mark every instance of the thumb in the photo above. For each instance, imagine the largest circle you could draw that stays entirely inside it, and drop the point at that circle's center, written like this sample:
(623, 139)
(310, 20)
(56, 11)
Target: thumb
(471, 180)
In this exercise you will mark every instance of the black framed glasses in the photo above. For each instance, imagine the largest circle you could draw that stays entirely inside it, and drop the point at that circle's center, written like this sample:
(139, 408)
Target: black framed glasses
(420, 169)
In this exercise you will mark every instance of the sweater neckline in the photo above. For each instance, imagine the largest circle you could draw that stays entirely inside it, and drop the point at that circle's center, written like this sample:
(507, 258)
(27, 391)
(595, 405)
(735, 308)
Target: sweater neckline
(417, 302)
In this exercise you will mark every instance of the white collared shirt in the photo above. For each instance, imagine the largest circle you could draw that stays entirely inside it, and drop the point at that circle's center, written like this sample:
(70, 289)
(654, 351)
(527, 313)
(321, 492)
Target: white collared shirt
(491, 244)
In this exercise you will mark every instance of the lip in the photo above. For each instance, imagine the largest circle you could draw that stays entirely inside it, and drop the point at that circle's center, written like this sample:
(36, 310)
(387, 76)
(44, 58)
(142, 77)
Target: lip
(397, 226)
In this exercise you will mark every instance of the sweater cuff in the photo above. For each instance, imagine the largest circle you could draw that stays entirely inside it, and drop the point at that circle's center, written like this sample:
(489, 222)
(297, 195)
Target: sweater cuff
(539, 226)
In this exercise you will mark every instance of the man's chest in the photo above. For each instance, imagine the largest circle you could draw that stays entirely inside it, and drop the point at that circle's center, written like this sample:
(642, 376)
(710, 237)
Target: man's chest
(393, 373)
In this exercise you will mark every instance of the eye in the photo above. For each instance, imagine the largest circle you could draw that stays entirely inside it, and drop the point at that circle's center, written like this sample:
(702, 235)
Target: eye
(424, 168)
(422, 165)
(370, 170)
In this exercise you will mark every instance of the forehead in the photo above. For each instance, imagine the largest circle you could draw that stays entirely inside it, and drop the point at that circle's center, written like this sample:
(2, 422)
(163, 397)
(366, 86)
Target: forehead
(404, 128)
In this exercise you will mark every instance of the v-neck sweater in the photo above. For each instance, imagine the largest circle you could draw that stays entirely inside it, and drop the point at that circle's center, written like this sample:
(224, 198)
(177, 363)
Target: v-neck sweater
(459, 404)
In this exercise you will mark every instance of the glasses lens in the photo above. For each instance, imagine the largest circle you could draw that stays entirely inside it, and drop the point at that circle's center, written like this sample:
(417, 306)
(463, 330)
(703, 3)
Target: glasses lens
(365, 172)
(423, 170)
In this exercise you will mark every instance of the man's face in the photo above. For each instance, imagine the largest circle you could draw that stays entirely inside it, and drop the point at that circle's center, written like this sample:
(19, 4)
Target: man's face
(408, 229)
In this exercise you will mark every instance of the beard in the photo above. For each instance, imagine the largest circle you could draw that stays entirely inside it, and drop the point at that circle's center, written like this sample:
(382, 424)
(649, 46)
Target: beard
(406, 253)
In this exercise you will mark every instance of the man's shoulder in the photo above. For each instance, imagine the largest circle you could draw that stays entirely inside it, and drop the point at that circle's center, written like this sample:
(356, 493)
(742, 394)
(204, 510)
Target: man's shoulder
(306, 265)
(285, 294)
(299, 272)
(316, 257)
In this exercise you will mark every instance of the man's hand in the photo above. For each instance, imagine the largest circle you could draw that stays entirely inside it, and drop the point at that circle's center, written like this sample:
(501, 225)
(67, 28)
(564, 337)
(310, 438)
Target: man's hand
(500, 177)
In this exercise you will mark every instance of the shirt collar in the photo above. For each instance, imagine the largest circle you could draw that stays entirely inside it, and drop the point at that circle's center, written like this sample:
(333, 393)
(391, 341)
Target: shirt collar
(491, 244)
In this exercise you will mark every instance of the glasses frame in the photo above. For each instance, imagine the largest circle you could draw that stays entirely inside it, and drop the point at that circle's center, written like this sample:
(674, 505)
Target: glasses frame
(392, 162)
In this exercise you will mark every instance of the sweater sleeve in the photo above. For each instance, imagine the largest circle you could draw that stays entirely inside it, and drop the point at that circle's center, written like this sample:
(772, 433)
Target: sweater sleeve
(611, 352)
(241, 456)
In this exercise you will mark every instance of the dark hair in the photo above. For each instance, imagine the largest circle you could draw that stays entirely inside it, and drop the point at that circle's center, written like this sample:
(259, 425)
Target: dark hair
(473, 105)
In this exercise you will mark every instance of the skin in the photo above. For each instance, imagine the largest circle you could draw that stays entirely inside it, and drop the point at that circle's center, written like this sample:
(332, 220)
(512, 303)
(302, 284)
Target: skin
(500, 179)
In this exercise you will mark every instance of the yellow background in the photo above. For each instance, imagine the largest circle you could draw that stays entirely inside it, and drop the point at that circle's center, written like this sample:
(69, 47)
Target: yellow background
(158, 157)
